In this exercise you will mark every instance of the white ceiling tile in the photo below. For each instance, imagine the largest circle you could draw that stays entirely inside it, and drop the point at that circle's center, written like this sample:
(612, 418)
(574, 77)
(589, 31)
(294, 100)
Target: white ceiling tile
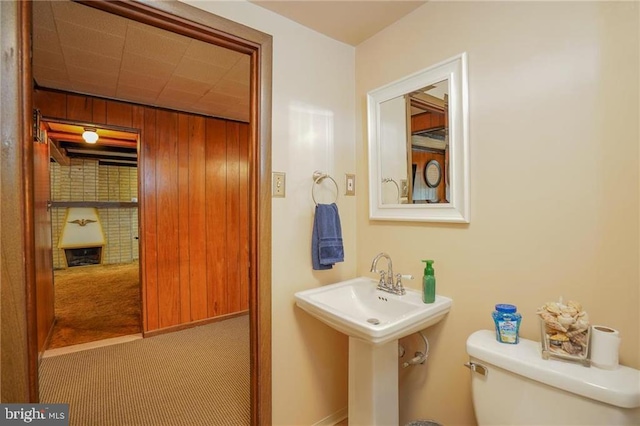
(89, 18)
(43, 15)
(52, 74)
(96, 89)
(148, 66)
(201, 71)
(137, 94)
(93, 76)
(187, 85)
(45, 58)
(232, 88)
(218, 98)
(241, 71)
(83, 38)
(44, 39)
(145, 81)
(149, 44)
(84, 50)
(212, 54)
(174, 96)
(83, 58)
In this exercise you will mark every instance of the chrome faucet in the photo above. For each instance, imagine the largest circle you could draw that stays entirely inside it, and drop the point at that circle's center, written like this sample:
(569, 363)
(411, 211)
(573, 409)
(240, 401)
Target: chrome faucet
(386, 282)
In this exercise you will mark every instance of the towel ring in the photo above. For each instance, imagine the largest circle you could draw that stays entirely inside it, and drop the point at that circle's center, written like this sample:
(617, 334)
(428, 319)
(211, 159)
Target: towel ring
(386, 180)
(318, 177)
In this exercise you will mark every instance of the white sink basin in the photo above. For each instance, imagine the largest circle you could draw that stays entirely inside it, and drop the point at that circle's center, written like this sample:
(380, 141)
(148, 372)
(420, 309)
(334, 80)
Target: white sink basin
(357, 309)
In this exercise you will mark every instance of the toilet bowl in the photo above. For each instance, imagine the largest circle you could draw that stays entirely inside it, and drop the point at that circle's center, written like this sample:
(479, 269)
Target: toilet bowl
(513, 385)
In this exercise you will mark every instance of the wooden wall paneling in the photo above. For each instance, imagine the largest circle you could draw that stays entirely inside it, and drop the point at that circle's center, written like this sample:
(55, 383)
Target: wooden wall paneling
(243, 212)
(197, 219)
(119, 113)
(150, 236)
(99, 113)
(232, 283)
(184, 217)
(51, 104)
(167, 217)
(215, 187)
(43, 245)
(194, 207)
(80, 108)
(426, 121)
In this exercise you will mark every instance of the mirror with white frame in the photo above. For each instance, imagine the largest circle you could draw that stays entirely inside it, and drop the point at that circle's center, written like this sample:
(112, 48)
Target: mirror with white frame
(419, 146)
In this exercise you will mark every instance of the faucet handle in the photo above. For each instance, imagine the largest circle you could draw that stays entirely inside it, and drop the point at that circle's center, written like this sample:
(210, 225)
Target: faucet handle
(399, 285)
(399, 278)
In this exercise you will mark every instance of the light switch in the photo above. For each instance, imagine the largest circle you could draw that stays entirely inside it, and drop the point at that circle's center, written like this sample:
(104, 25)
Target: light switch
(350, 185)
(278, 185)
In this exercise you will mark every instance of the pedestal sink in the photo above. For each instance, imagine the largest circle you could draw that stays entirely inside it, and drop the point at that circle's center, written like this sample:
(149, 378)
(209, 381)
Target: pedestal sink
(374, 320)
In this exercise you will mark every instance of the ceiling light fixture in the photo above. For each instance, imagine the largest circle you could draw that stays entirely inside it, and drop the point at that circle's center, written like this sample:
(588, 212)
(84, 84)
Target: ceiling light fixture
(90, 135)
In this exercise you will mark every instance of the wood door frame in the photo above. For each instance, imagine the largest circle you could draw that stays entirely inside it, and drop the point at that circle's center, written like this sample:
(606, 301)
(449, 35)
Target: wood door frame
(195, 23)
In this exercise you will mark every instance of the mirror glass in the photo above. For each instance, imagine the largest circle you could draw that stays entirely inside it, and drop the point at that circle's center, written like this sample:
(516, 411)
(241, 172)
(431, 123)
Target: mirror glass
(418, 146)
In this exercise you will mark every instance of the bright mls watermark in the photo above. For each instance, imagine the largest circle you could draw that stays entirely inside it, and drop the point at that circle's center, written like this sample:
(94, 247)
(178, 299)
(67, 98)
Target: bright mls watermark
(35, 414)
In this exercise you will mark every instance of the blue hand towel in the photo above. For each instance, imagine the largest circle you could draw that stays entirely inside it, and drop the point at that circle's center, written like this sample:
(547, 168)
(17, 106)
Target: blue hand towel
(326, 240)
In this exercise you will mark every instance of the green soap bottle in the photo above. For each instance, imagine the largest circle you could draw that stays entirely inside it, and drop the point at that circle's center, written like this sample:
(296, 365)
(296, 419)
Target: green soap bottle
(428, 283)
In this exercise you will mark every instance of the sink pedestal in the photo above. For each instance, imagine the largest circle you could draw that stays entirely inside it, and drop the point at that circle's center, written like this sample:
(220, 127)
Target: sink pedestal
(373, 383)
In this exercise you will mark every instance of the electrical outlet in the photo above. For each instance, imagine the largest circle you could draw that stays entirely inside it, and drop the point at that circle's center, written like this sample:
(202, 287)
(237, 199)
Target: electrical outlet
(350, 185)
(278, 184)
(404, 188)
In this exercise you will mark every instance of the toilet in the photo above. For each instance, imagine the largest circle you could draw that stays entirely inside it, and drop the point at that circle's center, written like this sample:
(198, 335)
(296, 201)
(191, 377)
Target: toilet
(513, 385)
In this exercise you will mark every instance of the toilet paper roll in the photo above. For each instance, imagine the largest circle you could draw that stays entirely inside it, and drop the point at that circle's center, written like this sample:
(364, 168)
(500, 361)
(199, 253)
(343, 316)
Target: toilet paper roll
(605, 343)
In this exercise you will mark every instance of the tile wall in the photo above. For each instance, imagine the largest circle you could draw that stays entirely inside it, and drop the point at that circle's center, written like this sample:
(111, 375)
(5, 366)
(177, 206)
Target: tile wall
(86, 180)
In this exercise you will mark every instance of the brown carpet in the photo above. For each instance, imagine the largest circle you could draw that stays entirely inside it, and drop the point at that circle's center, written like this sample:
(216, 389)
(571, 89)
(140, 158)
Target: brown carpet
(198, 376)
(95, 303)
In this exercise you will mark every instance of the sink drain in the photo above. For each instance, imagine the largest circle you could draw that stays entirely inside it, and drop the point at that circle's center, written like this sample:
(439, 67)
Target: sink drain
(374, 321)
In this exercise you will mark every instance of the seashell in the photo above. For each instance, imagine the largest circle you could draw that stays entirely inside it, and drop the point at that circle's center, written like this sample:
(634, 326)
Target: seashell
(558, 350)
(575, 333)
(576, 305)
(546, 316)
(566, 320)
(553, 307)
(571, 348)
(581, 324)
(559, 337)
(579, 339)
(583, 316)
(568, 310)
(551, 322)
(555, 325)
(550, 331)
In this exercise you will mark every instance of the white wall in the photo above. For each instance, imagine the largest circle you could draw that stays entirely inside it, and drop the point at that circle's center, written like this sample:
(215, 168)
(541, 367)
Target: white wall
(554, 176)
(313, 129)
(393, 147)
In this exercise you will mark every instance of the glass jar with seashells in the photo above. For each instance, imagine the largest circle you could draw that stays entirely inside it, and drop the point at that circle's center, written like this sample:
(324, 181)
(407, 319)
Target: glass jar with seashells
(565, 331)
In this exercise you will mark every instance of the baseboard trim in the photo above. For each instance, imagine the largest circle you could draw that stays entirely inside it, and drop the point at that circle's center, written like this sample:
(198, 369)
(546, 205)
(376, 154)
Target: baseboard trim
(193, 324)
(47, 341)
(334, 418)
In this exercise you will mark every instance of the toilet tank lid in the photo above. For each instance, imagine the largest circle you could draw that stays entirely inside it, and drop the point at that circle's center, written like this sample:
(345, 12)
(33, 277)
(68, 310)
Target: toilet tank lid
(620, 387)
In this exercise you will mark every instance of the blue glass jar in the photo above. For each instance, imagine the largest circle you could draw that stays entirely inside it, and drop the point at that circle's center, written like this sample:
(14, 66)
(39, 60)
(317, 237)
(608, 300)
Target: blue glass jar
(507, 321)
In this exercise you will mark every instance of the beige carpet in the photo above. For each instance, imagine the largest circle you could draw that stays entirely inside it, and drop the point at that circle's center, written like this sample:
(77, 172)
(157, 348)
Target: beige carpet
(198, 376)
(95, 302)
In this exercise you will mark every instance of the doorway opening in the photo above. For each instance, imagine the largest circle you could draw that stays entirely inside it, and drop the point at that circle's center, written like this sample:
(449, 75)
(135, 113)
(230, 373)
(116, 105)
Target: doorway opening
(94, 229)
(200, 25)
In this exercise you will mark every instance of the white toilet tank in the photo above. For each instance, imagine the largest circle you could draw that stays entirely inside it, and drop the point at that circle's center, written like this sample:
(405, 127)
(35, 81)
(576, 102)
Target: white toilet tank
(521, 388)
